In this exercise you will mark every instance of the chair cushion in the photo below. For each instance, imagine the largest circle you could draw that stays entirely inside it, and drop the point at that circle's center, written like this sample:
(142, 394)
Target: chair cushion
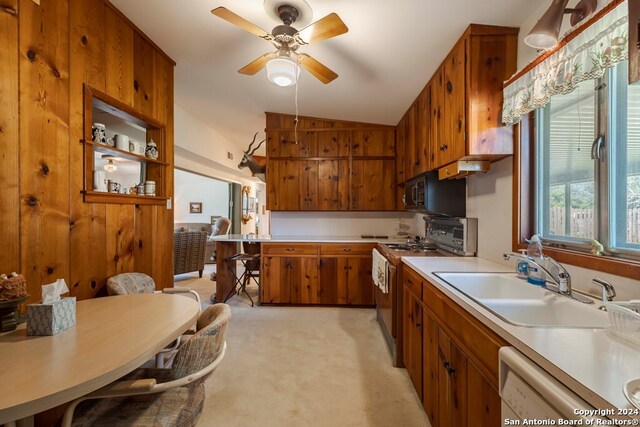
(179, 406)
(130, 283)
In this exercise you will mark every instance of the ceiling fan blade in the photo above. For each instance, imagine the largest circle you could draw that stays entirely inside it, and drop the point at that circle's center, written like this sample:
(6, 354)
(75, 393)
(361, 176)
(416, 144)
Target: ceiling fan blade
(319, 71)
(227, 15)
(257, 65)
(329, 26)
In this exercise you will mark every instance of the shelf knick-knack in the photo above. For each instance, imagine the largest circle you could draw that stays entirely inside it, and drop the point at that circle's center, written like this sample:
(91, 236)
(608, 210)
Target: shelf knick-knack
(152, 150)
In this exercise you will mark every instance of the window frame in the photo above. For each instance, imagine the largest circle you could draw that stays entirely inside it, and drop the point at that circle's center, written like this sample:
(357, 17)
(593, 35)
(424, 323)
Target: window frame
(524, 184)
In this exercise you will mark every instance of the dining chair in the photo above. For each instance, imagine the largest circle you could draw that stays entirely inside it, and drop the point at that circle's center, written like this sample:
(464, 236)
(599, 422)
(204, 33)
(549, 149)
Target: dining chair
(140, 283)
(159, 397)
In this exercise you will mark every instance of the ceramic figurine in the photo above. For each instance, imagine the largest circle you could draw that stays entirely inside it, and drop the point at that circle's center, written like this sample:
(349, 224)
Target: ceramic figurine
(152, 150)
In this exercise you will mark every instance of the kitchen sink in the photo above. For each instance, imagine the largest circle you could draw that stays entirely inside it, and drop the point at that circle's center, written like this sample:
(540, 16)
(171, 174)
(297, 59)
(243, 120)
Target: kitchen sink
(520, 303)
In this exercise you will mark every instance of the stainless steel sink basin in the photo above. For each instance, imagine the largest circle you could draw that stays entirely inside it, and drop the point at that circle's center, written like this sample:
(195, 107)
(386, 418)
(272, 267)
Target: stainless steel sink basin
(520, 303)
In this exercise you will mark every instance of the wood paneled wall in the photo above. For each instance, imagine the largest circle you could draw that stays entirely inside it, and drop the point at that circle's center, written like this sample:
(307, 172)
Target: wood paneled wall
(48, 52)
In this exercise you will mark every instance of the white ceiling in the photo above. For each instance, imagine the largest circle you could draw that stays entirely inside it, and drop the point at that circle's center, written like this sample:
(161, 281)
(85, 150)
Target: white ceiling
(385, 59)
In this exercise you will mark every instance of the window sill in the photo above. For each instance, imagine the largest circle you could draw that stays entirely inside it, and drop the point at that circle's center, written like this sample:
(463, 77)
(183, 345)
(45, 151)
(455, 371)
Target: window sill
(616, 266)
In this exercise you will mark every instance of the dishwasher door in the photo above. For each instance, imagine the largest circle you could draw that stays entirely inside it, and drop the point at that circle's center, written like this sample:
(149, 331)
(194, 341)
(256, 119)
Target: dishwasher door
(529, 392)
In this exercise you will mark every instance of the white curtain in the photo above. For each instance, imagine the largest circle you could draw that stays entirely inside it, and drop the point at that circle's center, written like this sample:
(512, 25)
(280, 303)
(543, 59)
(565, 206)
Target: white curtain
(600, 46)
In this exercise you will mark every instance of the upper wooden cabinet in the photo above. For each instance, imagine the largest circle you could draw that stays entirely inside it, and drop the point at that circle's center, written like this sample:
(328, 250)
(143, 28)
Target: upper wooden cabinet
(329, 165)
(463, 102)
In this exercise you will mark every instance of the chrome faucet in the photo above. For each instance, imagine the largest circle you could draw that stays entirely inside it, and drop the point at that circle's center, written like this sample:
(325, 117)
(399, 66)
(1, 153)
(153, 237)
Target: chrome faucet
(608, 291)
(561, 280)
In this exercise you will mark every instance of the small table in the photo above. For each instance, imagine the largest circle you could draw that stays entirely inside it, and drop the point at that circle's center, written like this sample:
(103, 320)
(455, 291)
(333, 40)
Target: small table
(247, 261)
(112, 337)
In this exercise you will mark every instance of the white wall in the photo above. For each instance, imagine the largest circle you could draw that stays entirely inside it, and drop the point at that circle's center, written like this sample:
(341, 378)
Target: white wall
(212, 193)
(489, 198)
(338, 223)
(201, 149)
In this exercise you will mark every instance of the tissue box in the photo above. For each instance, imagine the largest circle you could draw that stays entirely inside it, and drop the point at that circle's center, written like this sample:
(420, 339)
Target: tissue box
(49, 319)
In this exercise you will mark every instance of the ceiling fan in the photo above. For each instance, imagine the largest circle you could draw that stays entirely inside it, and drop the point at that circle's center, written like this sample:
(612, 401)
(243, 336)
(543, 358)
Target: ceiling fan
(283, 64)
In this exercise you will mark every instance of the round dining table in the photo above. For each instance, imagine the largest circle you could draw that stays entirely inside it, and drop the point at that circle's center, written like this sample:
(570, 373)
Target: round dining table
(112, 337)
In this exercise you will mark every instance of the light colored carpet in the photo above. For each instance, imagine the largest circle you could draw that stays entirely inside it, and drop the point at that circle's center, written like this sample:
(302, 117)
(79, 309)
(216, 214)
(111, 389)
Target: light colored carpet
(304, 366)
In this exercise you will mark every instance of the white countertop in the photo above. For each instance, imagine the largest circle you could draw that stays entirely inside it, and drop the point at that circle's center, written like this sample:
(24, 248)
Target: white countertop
(302, 239)
(590, 362)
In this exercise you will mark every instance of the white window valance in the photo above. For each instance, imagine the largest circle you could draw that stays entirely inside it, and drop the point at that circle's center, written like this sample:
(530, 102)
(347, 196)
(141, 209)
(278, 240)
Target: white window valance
(584, 54)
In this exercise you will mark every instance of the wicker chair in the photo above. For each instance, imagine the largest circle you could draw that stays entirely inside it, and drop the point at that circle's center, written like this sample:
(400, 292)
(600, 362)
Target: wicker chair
(160, 397)
(188, 249)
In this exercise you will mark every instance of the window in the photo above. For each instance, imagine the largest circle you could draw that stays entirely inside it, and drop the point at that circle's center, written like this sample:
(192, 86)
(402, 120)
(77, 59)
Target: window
(587, 167)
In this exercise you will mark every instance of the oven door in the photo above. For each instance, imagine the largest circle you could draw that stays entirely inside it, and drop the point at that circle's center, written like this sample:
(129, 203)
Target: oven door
(386, 303)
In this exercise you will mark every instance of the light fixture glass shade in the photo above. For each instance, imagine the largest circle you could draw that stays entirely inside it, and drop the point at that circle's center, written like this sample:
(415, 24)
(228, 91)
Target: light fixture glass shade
(283, 71)
(110, 167)
(544, 35)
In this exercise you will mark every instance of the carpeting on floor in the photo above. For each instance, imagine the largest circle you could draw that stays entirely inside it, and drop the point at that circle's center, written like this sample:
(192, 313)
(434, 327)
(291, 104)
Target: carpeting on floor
(304, 366)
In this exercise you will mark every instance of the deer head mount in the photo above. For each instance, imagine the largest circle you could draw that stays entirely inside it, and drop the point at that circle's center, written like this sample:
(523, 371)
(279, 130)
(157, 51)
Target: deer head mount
(257, 168)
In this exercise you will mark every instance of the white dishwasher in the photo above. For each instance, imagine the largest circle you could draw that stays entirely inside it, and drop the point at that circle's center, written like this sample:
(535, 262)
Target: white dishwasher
(529, 392)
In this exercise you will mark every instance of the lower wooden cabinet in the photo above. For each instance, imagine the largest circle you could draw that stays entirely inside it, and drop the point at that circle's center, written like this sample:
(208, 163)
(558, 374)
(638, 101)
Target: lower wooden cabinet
(301, 274)
(451, 357)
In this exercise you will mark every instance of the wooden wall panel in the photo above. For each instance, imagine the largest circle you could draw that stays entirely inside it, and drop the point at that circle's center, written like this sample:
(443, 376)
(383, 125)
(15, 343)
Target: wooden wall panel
(44, 142)
(9, 141)
(88, 231)
(143, 75)
(119, 51)
(163, 97)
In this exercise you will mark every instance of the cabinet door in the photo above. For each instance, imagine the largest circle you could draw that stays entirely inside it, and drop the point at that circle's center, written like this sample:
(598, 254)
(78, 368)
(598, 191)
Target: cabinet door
(413, 339)
(275, 280)
(333, 281)
(454, 141)
(423, 134)
(333, 185)
(292, 185)
(483, 403)
(304, 280)
(430, 368)
(143, 75)
(373, 185)
(373, 143)
(360, 281)
(410, 142)
(334, 143)
(437, 113)
(452, 381)
(289, 145)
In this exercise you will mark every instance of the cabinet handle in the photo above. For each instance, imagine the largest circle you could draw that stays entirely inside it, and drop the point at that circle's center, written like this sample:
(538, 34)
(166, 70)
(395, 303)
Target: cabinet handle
(347, 249)
(290, 249)
(443, 147)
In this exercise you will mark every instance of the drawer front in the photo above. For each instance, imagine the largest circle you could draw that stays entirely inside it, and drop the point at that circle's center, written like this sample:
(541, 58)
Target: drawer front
(346, 249)
(289, 249)
(481, 343)
(412, 281)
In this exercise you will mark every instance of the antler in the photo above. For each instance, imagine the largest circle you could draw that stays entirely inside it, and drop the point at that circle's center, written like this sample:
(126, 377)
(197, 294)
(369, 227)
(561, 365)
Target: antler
(255, 149)
(252, 142)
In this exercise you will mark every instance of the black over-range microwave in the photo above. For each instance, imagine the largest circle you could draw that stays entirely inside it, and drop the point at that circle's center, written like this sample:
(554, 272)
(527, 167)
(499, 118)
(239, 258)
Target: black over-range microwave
(427, 194)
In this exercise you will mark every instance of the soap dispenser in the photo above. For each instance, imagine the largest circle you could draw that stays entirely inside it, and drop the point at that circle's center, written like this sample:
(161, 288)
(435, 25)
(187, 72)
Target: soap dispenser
(522, 267)
(534, 251)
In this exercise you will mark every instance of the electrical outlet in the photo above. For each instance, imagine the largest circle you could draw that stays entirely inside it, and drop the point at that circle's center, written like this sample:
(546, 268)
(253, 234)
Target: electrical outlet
(169, 203)
(229, 155)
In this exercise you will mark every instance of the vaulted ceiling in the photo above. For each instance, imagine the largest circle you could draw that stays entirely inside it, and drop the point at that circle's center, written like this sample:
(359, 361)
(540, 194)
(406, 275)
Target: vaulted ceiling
(385, 59)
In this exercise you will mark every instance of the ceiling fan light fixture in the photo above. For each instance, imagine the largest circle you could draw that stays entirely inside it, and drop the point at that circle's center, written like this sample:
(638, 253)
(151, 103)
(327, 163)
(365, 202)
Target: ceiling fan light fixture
(283, 71)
